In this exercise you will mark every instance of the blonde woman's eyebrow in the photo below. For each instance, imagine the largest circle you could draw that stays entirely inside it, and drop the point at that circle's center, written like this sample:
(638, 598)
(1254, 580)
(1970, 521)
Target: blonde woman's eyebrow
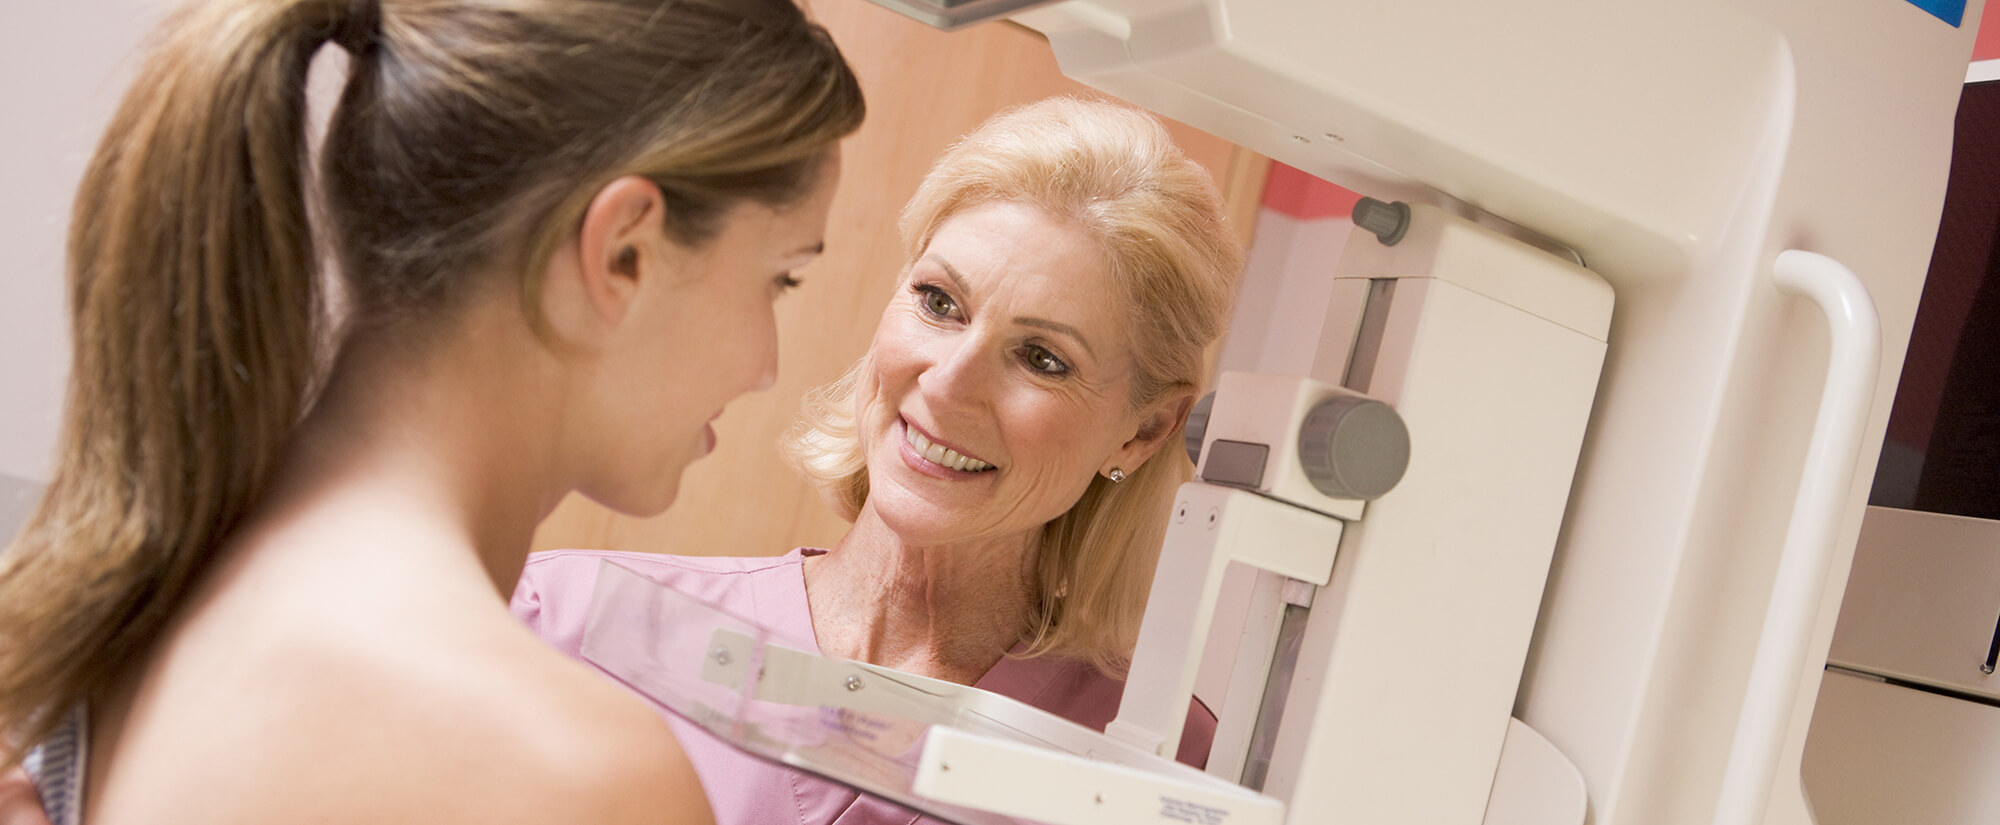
(949, 272)
(1024, 320)
(1056, 326)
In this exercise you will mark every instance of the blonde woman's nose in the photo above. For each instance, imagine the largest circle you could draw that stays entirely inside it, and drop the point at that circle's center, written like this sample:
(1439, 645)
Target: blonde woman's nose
(958, 373)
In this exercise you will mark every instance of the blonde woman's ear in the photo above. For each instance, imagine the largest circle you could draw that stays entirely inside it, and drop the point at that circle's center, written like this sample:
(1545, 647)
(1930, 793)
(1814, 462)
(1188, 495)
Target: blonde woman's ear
(1154, 431)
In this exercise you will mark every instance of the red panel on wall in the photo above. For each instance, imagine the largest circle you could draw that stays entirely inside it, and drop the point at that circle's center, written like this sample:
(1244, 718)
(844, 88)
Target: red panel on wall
(1986, 45)
(1305, 197)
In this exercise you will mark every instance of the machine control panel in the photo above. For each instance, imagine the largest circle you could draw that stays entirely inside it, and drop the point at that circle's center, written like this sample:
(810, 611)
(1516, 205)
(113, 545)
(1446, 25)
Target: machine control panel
(1298, 440)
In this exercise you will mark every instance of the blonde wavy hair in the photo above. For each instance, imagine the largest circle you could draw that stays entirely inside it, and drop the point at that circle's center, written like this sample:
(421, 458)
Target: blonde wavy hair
(1158, 218)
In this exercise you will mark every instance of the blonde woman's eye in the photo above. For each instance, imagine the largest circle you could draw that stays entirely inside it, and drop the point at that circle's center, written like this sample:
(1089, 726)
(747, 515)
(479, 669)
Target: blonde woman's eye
(936, 302)
(1043, 361)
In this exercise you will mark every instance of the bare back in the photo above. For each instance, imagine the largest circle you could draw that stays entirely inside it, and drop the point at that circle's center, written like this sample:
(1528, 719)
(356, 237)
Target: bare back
(402, 688)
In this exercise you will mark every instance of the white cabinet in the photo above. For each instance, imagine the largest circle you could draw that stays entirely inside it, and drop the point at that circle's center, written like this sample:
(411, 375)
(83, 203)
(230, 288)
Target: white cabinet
(1907, 728)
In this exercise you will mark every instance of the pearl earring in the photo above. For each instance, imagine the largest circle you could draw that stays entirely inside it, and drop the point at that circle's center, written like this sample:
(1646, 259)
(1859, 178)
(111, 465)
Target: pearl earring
(1116, 475)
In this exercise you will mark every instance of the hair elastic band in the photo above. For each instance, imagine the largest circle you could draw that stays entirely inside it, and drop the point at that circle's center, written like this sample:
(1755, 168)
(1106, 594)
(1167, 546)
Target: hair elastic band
(361, 29)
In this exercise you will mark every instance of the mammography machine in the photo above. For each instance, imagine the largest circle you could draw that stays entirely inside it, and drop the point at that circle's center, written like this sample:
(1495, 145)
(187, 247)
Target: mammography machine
(1636, 279)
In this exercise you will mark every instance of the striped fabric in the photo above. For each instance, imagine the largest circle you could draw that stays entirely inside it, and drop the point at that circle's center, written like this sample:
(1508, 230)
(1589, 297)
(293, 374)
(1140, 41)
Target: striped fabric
(57, 767)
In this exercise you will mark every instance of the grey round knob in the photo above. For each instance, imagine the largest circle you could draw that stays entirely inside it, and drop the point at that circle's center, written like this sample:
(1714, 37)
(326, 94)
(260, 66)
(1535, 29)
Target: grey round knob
(1353, 447)
(1389, 221)
(1197, 426)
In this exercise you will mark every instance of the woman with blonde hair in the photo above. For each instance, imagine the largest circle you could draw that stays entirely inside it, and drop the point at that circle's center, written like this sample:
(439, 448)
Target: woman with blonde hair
(267, 580)
(1008, 449)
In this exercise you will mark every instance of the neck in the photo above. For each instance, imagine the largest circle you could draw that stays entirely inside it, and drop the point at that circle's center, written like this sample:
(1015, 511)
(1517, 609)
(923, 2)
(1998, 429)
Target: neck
(949, 611)
(442, 441)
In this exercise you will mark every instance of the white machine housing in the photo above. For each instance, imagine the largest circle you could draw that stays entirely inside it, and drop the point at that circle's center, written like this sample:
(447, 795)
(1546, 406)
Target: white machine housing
(1490, 350)
(1679, 148)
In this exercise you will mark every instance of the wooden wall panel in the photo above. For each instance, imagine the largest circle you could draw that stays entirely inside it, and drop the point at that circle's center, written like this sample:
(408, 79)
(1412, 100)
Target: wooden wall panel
(924, 89)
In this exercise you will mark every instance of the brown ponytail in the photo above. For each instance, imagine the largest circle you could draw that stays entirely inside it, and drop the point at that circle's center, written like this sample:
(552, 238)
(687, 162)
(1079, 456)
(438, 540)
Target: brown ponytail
(193, 300)
(469, 135)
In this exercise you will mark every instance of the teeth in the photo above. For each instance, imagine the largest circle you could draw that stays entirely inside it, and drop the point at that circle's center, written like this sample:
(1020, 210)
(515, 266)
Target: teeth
(939, 454)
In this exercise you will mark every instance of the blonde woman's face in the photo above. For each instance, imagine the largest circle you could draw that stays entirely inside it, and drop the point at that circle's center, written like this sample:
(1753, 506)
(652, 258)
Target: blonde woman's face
(999, 379)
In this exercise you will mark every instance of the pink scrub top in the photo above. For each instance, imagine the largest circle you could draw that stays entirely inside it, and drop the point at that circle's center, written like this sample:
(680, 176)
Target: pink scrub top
(553, 598)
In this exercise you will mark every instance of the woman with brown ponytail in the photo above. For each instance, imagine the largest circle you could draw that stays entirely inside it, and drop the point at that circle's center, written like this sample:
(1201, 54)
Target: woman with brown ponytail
(268, 580)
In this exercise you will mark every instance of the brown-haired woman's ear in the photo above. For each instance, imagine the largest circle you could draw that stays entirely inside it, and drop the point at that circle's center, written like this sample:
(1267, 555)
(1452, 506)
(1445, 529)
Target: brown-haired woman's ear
(591, 283)
(621, 236)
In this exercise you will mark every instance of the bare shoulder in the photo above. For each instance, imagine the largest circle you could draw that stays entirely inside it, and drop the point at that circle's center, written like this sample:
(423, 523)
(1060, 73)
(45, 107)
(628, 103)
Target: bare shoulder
(505, 730)
(433, 720)
(373, 678)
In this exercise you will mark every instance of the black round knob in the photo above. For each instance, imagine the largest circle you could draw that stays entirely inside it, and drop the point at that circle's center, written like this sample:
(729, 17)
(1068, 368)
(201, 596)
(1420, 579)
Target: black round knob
(1353, 447)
